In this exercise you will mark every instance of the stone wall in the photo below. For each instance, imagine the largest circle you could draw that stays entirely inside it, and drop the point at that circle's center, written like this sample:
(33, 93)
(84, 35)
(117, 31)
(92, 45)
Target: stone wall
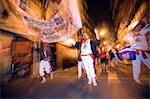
(66, 57)
(5, 54)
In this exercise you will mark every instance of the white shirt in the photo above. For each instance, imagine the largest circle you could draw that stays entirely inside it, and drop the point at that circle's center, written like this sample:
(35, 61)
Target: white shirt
(139, 41)
(45, 54)
(86, 48)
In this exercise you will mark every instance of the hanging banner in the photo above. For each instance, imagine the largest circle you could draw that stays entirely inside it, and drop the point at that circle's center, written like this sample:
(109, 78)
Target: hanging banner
(64, 22)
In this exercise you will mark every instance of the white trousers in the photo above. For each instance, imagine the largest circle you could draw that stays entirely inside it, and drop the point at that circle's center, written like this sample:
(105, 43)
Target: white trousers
(115, 60)
(136, 64)
(89, 66)
(103, 66)
(80, 66)
(44, 66)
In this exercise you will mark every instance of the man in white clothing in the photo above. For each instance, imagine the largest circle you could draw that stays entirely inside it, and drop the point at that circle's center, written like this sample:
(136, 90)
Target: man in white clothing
(137, 40)
(44, 65)
(80, 63)
(87, 56)
(80, 67)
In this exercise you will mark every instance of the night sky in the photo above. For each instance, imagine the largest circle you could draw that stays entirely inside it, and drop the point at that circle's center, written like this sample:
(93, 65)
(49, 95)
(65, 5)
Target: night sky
(99, 11)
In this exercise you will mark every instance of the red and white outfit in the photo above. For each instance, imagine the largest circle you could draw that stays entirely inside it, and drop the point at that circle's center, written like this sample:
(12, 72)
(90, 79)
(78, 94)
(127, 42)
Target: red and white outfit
(80, 66)
(88, 61)
(44, 66)
(139, 43)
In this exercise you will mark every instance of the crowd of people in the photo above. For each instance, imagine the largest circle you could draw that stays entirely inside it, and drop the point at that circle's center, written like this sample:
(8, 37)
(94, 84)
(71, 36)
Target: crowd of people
(91, 53)
(137, 43)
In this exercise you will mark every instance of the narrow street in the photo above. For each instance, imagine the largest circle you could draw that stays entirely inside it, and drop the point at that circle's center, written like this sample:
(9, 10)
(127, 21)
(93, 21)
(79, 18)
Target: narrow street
(66, 38)
(65, 85)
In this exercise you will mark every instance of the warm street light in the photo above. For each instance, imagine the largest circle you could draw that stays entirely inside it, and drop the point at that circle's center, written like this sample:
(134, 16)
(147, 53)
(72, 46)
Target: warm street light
(118, 45)
(104, 43)
(102, 33)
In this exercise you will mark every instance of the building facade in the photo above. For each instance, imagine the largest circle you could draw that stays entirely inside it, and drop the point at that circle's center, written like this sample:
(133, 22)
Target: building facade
(126, 14)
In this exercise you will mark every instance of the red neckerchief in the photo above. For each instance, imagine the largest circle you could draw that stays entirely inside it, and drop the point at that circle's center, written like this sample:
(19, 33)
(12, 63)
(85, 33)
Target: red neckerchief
(84, 40)
(81, 42)
(137, 34)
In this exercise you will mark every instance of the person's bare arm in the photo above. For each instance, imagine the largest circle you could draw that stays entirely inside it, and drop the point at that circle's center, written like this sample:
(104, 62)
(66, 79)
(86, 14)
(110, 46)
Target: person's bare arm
(96, 34)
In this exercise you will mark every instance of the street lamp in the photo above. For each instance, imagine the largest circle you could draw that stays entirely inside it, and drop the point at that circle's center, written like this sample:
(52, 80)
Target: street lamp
(104, 43)
(102, 33)
(118, 45)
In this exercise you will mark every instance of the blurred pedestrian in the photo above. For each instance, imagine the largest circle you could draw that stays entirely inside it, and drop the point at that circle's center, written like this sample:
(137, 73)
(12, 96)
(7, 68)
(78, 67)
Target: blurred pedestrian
(102, 58)
(94, 47)
(80, 63)
(137, 40)
(114, 57)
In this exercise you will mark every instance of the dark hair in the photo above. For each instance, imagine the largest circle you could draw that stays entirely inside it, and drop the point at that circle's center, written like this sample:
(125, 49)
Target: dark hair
(44, 44)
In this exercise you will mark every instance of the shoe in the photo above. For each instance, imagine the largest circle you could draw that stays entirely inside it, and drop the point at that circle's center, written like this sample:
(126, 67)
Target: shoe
(89, 82)
(51, 75)
(44, 80)
(138, 81)
(94, 82)
(79, 77)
